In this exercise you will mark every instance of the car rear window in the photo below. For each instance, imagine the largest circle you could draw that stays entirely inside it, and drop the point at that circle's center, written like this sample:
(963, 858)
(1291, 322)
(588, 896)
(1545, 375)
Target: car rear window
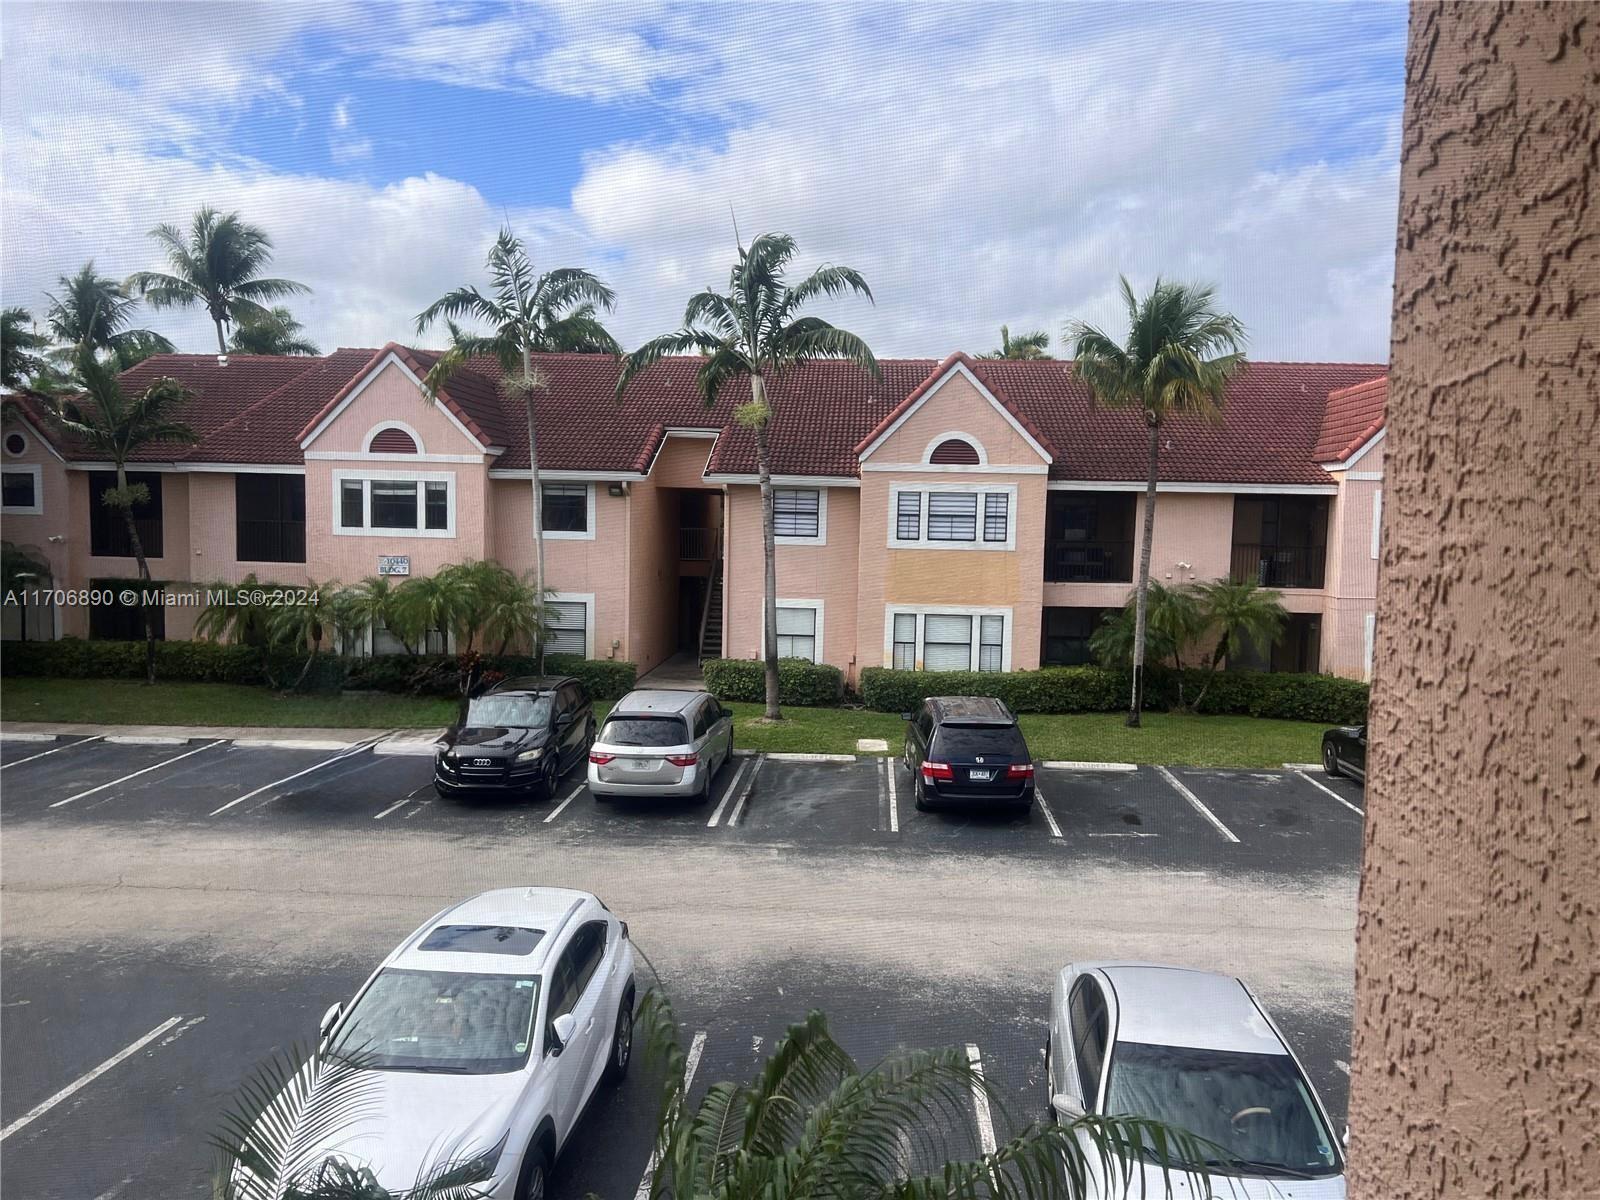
(959, 741)
(645, 731)
(483, 939)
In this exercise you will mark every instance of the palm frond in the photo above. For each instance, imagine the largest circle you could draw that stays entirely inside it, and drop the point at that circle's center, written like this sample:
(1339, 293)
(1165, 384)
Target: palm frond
(685, 341)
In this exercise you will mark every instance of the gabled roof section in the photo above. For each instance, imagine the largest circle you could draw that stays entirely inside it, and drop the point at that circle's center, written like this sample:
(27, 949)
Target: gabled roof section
(1352, 417)
(956, 364)
(468, 398)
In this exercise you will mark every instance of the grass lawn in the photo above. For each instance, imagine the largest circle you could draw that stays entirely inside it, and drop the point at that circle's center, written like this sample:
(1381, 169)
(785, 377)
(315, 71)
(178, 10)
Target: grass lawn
(1176, 740)
(128, 702)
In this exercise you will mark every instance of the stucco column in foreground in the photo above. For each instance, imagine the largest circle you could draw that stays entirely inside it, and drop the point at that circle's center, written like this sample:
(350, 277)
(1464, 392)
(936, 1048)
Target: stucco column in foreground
(1477, 1040)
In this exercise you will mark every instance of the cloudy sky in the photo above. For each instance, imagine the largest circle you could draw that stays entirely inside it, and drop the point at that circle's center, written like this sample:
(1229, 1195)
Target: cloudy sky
(980, 163)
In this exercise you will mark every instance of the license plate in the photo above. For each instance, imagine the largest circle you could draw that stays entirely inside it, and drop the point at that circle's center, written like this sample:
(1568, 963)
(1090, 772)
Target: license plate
(639, 764)
(980, 776)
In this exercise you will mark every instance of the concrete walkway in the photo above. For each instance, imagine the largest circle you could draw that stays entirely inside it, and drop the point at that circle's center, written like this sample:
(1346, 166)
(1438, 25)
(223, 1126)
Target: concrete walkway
(680, 671)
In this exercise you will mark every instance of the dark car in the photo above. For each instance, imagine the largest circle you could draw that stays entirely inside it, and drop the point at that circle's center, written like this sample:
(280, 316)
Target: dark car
(1344, 751)
(520, 735)
(967, 750)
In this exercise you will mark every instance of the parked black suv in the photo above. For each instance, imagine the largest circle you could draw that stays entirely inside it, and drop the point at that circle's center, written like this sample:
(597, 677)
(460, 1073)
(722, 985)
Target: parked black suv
(1344, 751)
(967, 750)
(520, 735)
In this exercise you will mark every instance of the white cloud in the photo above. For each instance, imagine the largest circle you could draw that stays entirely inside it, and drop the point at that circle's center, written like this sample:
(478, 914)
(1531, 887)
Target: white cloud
(986, 166)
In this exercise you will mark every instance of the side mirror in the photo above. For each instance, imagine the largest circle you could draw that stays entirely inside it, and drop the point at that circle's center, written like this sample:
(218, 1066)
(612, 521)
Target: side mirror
(1066, 1106)
(564, 720)
(561, 1032)
(329, 1020)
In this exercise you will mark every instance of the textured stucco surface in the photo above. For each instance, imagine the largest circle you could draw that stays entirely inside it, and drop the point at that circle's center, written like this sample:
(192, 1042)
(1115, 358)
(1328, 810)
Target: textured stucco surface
(1477, 1042)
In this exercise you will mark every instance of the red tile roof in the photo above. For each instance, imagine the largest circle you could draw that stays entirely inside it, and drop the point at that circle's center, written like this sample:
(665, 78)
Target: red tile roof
(1276, 414)
(1352, 418)
(962, 358)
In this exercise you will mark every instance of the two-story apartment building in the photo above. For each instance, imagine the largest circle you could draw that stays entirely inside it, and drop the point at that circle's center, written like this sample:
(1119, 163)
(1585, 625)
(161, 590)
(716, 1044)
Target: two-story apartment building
(963, 513)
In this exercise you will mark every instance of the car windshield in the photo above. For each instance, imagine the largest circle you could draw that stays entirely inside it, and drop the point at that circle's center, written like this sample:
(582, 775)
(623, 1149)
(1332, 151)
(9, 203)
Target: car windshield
(442, 1021)
(963, 741)
(645, 731)
(512, 711)
(1257, 1107)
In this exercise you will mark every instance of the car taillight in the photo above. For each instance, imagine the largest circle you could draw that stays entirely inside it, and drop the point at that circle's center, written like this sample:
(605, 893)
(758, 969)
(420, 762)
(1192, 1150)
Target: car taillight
(599, 759)
(1019, 771)
(683, 760)
(937, 770)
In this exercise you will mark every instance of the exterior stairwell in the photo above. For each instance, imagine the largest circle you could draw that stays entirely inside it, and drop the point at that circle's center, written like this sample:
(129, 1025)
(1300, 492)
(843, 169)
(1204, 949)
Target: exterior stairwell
(711, 615)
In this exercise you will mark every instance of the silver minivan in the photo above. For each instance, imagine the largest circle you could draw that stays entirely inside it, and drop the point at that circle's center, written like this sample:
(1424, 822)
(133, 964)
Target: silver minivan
(661, 743)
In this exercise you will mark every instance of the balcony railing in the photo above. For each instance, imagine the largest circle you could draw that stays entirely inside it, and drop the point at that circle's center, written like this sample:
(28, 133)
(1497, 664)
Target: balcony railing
(695, 543)
(1088, 562)
(271, 541)
(1278, 566)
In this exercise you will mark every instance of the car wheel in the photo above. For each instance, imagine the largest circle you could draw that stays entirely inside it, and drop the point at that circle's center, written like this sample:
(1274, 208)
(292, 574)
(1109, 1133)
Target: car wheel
(1330, 759)
(703, 796)
(535, 1173)
(552, 778)
(621, 1043)
(920, 795)
(1049, 1079)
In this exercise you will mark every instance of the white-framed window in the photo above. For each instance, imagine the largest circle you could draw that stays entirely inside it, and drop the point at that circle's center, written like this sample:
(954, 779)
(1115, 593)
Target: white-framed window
(800, 516)
(947, 638)
(799, 629)
(1377, 519)
(952, 516)
(22, 490)
(16, 443)
(567, 511)
(412, 503)
(570, 617)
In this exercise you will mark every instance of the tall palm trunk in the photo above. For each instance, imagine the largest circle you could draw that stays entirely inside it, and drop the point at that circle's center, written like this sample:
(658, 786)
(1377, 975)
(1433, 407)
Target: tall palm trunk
(222, 341)
(538, 507)
(769, 551)
(1136, 701)
(144, 576)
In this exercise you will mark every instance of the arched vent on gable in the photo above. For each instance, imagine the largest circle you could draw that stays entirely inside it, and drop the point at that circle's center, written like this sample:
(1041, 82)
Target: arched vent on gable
(954, 452)
(392, 441)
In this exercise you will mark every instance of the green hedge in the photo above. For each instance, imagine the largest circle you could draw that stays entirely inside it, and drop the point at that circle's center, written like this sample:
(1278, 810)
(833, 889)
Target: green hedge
(800, 682)
(212, 662)
(1323, 698)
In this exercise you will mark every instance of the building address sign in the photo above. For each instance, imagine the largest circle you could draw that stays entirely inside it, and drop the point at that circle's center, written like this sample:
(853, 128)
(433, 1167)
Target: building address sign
(394, 564)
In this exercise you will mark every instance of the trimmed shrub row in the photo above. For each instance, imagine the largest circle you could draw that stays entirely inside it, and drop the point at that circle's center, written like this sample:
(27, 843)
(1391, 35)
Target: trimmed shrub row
(800, 682)
(1323, 698)
(212, 662)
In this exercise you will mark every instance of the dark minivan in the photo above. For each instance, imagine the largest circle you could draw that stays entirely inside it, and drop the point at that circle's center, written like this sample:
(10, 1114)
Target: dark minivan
(967, 750)
(520, 735)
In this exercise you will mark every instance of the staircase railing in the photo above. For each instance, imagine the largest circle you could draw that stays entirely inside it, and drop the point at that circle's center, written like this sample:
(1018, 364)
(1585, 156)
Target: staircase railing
(712, 580)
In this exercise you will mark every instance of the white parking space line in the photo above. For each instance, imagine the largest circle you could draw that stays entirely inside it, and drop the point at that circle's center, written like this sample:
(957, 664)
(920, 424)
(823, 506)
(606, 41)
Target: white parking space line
(980, 1102)
(691, 1064)
(1195, 802)
(560, 808)
(716, 817)
(46, 753)
(166, 762)
(400, 803)
(267, 787)
(1049, 817)
(744, 794)
(84, 1080)
(1322, 787)
(889, 769)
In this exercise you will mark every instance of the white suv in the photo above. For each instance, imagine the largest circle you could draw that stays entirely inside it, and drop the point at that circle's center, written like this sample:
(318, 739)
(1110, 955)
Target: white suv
(490, 1028)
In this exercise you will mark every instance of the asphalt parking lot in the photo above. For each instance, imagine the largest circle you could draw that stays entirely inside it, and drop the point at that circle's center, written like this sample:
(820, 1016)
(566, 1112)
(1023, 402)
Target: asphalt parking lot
(229, 837)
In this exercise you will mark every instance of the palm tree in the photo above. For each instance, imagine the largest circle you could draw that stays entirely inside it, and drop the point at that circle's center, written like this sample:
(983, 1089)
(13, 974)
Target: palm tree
(376, 601)
(96, 310)
(1174, 621)
(112, 426)
(218, 265)
(1180, 353)
(305, 625)
(1240, 614)
(18, 343)
(425, 603)
(813, 1125)
(276, 333)
(528, 314)
(233, 613)
(754, 329)
(1032, 345)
